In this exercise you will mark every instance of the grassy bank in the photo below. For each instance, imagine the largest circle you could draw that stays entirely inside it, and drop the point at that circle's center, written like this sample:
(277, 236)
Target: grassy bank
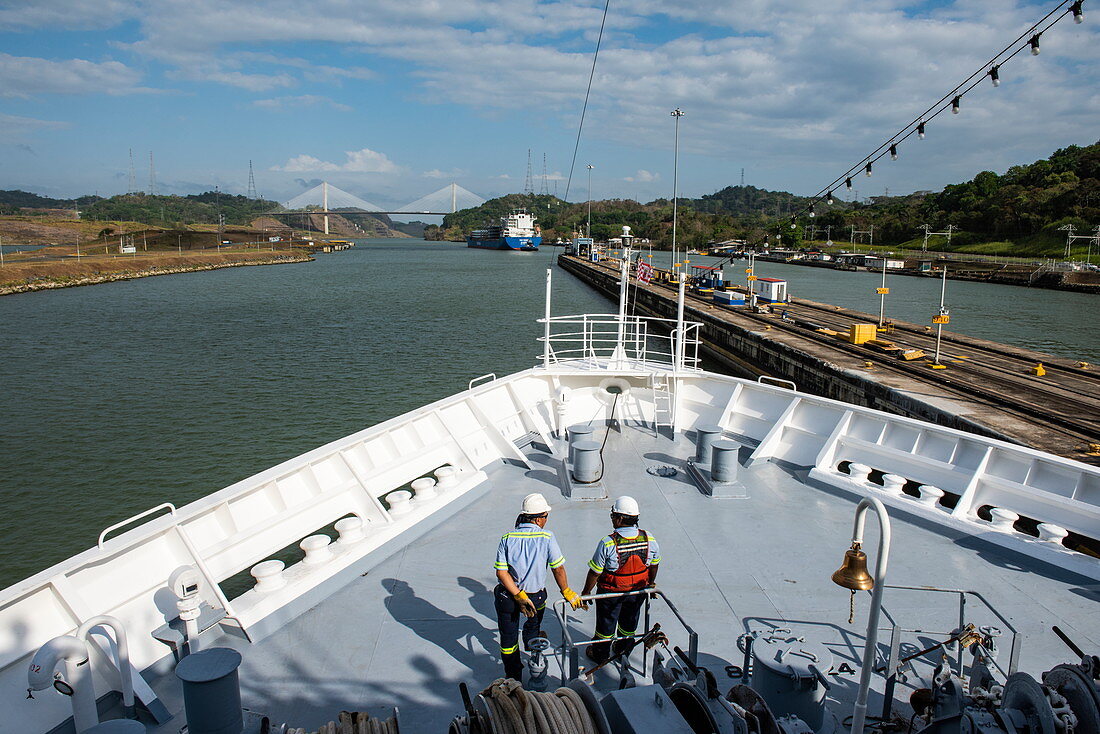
(23, 273)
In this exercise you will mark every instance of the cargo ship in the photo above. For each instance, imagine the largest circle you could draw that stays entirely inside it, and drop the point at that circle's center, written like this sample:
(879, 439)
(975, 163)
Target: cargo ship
(517, 231)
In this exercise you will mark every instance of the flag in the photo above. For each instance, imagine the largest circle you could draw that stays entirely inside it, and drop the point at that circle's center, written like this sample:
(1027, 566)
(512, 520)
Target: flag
(645, 272)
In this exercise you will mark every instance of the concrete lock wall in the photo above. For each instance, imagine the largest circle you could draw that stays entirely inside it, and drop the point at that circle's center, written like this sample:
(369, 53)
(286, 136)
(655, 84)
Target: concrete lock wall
(752, 353)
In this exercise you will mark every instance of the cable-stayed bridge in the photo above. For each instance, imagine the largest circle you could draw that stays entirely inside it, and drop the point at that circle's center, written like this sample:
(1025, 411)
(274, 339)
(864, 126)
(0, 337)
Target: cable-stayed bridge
(333, 200)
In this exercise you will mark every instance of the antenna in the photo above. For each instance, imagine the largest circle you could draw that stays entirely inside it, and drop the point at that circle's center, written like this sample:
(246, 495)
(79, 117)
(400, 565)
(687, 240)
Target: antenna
(544, 192)
(152, 175)
(742, 176)
(133, 184)
(251, 183)
(527, 187)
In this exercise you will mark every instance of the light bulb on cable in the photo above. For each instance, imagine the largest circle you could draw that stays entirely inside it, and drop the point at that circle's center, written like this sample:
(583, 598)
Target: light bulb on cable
(812, 213)
(829, 198)
(867, 170)
(995, 75)
(1078, 14)
(1035, 44)
(893, 151)
(920, 129)
(955, 104)
(848, 183)
(792, 224)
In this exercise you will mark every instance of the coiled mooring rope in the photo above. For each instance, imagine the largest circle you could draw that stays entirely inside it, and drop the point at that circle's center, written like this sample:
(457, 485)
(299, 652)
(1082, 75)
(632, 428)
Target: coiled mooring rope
(353, 723)
(517, 711)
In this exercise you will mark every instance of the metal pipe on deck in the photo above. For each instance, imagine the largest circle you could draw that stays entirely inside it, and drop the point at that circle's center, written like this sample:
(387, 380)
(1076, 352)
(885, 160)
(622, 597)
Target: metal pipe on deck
(859, 712)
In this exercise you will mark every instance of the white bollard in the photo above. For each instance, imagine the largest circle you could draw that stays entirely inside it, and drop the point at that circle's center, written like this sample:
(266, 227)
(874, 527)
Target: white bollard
(424, 488)
(930, 495)
(859, 472)
(1052, 533)
(400, 502)
(445, 478)
(268, 575)
(1003, 519)
(350, 530)
(893, 483)
(317, 549)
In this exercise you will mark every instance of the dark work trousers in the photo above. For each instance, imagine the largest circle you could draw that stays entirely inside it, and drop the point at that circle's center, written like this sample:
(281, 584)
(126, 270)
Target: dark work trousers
(508, 621)
(615, 617)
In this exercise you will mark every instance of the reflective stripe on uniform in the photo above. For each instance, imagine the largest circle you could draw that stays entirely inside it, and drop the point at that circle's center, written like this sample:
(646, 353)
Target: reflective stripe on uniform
(510, 650)
(558, 563)
(623, 633)
(594, 567)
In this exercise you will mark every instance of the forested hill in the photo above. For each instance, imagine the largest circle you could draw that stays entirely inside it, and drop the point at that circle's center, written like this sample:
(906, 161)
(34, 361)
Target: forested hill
(11, 202)
(168, 210)
(1022, 208)
(1017, 212)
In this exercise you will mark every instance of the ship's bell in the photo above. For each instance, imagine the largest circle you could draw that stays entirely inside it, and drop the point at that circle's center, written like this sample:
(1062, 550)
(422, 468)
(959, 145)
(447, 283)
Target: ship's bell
(852, 574)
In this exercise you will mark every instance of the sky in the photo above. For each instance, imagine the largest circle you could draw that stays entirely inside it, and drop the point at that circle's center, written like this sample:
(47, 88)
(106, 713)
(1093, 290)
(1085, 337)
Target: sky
(393, 99)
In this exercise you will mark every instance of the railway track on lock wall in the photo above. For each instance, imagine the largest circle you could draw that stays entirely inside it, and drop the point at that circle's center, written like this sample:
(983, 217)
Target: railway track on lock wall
(1071, 406)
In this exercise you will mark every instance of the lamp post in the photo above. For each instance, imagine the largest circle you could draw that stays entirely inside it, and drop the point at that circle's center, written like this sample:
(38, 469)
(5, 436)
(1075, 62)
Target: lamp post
(853, 575)
(676, 114)
(940, 319)
(882, 291)
(588, 230)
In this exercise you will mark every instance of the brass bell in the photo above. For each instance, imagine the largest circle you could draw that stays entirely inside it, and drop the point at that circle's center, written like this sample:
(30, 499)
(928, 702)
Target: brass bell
(852, 574)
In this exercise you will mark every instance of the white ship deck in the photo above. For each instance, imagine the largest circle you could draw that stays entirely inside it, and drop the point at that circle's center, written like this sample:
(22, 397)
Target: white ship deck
(407, 632)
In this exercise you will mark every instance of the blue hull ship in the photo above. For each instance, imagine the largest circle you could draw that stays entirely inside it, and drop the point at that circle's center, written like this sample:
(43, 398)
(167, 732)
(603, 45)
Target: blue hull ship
(517, 231)
(529, 244)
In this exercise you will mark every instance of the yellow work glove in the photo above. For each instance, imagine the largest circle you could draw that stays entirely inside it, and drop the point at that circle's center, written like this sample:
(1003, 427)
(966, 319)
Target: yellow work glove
(525, 604)
(573, 598)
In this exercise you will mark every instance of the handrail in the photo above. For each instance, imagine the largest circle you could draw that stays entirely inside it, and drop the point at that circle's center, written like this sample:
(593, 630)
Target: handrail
(491, 375)
(766, 379)
(138, 516)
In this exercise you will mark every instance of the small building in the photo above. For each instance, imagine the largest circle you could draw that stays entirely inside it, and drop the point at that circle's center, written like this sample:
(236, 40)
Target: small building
(770, 290)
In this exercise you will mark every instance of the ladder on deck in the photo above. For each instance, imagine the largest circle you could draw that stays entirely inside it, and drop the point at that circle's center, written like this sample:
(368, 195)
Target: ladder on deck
(664, 402)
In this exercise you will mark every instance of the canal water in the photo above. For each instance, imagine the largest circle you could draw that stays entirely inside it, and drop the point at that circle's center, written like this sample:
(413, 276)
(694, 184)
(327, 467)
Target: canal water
(118, 397)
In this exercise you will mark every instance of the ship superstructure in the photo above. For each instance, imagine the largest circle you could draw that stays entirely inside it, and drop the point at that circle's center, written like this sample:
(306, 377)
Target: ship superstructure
(517, 231)
(751, 487)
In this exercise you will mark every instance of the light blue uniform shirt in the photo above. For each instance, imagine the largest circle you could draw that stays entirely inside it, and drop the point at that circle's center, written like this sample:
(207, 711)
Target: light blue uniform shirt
(606, 559)
(526, 553)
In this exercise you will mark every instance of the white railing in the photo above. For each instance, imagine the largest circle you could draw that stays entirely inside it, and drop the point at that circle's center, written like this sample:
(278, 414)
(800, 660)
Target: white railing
(647, 343)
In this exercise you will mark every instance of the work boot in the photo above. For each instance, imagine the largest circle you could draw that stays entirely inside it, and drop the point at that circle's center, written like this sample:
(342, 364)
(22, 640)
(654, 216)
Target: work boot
(597, 653)
(513, 666)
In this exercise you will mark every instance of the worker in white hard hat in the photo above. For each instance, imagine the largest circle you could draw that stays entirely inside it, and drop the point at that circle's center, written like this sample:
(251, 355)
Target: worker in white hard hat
(523, 556)
(626, 560)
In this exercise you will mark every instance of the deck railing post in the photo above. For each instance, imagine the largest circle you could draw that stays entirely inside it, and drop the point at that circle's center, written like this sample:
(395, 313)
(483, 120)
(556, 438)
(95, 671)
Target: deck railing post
(546, 337)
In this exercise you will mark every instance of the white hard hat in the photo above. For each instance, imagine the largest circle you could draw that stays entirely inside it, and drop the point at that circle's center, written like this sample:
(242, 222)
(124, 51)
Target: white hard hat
(626, 506)
(535, 504)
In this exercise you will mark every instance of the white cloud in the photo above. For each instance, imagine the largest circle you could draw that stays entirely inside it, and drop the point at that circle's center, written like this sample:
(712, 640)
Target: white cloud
(15, 128)
(302, 100)
(642, 176)
(436, 173)
(26, 76)
(358, 161)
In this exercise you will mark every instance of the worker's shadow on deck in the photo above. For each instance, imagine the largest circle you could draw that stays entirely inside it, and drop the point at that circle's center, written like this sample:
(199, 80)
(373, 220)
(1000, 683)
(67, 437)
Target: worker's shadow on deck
(462, 636)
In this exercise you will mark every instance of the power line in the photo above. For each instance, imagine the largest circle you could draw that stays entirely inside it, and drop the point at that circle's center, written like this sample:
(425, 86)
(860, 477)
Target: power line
(951, 100)
(152, 176)
(584, 108)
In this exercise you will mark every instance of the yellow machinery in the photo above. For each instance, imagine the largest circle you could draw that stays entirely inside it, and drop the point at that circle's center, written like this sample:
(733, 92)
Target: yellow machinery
(862, 333)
